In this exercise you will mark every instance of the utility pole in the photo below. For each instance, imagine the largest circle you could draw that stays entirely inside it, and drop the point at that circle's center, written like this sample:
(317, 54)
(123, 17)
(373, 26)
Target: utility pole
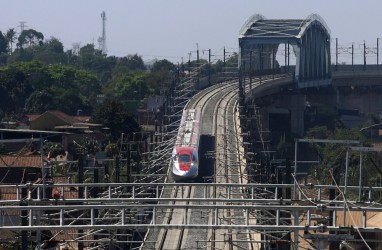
(377, 53)
(224, 60)
(209, 67)
(24, 214)
(336, 54)
(288, 56)
(352, 56)
(80, 233)
(285, 58)
(250, 70)
(43, 174)
(364, 55)
(197, 63)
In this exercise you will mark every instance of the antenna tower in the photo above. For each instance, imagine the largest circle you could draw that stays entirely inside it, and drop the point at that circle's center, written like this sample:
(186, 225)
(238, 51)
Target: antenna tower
(102, 39)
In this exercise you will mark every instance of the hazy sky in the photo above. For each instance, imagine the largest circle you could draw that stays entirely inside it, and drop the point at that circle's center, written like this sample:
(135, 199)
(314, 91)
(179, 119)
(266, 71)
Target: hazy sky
(171, 28)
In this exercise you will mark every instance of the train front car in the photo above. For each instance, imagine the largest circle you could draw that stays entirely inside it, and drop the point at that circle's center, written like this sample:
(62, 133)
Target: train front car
(185, 162)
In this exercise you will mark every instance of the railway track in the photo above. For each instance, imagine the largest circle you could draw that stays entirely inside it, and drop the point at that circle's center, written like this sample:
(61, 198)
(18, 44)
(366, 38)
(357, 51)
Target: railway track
(219, 107)
(230, 168)
(176, 238)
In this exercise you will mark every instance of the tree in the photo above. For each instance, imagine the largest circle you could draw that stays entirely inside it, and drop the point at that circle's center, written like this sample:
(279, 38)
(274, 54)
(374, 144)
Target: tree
(11, 38)
(69, 101)
(332, 156)
(113, 115)
(159, 81)
(218, 66)
(5, 100)
(53, 149)
(54, 45)
(111, 150)
(14, 81)
(163, 65)
(132, 62)
(88, 146)
(3, 43)
(2, 148)
(36, 87)
(30, 37)
(131, 87)
(39, 101)
(50, 52)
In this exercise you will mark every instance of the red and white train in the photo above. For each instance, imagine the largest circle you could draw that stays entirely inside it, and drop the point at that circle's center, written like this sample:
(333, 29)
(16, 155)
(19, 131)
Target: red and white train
(185, 155)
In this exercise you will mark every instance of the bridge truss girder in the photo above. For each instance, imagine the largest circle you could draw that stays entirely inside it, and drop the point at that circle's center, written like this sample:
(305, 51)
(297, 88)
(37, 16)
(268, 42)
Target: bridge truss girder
(310, 39)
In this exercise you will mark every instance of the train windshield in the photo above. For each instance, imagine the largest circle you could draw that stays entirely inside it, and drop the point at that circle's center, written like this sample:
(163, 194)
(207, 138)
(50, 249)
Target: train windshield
(184, 158)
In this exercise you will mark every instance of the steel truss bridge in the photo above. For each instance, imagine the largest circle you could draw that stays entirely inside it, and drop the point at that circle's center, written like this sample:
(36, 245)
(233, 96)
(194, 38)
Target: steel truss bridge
(310, 39)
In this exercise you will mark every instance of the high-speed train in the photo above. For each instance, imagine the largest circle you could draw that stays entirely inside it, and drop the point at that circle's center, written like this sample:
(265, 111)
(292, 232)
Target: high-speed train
(185, 156)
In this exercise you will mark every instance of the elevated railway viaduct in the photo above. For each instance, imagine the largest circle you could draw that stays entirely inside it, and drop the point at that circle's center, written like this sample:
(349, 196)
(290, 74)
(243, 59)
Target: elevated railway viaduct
(314, 84)
(352, 92)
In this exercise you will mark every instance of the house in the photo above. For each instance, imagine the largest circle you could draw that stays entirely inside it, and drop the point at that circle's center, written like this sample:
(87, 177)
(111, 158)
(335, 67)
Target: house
(152, 114)
(373, 132)
(22, 170)
(16, 170)
(50, 119)
(58, 126)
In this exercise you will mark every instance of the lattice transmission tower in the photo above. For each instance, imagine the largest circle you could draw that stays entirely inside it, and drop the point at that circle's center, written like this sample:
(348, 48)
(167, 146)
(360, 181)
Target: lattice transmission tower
(102, 39)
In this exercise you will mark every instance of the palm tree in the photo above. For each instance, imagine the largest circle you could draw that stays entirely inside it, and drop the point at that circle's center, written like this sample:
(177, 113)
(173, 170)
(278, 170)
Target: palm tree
(11, 37)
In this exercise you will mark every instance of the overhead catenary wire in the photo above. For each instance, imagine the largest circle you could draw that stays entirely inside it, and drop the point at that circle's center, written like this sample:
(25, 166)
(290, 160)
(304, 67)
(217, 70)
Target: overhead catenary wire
(347, 207)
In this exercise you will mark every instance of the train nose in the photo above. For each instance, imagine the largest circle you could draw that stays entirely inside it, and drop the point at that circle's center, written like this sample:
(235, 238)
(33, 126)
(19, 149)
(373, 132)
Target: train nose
(184, 166)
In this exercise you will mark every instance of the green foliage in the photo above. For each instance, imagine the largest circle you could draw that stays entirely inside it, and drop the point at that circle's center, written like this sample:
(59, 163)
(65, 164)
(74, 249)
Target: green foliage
(333, 156)
(2, 148)
(39, 75)
(318, 132)
(163, 65)
(232, 60)
(30, 37)
(53, 149)
(90, 146)
(218, 66)
(133, 62)
(39, 102)
(131, 87)
(3, 43)
(114, 115)
(158, 82)
(69, 101)
(36, 87)
(50, 52)
(11, 38)
(111, 150)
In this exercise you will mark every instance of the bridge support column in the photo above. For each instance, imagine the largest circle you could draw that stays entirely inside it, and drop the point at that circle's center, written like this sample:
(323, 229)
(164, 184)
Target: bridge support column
(297, 107)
